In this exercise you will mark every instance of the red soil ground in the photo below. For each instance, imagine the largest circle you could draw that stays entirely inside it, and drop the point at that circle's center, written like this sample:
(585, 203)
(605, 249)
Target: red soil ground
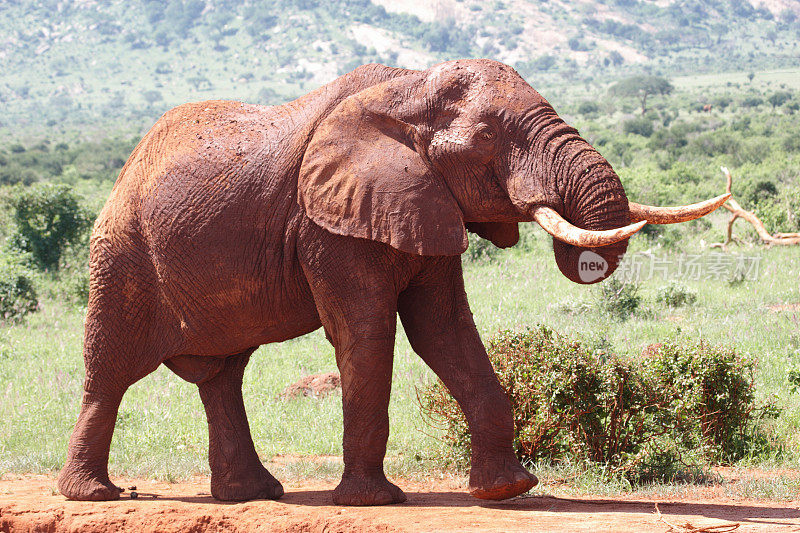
(31, 503)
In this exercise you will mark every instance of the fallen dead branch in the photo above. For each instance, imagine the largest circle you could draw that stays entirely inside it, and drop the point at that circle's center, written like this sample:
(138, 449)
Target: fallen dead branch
(689, 528)
(780, 239)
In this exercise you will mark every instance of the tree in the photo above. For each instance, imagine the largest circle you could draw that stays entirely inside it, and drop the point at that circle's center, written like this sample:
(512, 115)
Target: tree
(772, 35)
(641, 87)
(47, 218)
(616, 58)
(779, 98)
(162, 38)
(151, 96)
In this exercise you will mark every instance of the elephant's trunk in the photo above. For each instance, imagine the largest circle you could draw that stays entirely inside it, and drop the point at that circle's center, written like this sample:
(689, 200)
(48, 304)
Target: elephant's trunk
(560, 181)
(565, 174)
(594, 200)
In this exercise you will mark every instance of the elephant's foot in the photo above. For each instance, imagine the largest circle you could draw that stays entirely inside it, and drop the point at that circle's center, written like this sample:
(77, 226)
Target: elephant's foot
(76, 484)
(500, 479)
(252, 484)
(367, 489)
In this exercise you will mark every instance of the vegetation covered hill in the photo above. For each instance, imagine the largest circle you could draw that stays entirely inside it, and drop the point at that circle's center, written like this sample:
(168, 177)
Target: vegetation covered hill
(67, 64)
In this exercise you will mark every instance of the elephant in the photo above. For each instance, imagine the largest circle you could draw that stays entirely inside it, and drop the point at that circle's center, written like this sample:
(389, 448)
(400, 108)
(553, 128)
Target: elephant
(234, 225)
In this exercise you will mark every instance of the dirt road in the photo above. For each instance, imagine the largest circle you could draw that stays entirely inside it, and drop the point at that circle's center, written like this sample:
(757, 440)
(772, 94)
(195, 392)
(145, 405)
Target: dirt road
(31, 503)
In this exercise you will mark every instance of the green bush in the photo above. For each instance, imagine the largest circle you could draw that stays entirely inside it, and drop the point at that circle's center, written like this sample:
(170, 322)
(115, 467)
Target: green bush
(480, 249)
(779, 98)
(74, 286)
(710, 398)
(618, 299)
(680, 403)
(752, 101)
(588, 107)
(47, 218)
(17, 293)
(675, 294)
(639, 126)
(662, 235)
(568, 402)
(761, 191)
(778, 209)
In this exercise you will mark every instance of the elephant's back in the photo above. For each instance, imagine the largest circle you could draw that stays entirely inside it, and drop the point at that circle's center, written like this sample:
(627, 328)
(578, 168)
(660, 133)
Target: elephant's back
(210, 191)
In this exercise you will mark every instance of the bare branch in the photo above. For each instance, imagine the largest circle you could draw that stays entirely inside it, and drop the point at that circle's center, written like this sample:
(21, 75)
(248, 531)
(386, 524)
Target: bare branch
(780, 239)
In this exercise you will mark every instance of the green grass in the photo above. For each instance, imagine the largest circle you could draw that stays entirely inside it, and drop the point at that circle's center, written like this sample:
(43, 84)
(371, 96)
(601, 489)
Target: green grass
(789, 77)
(161, 430)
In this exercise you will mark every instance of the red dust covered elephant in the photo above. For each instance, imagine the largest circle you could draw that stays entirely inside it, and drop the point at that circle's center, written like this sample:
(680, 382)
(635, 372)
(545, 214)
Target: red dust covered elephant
(235, 225)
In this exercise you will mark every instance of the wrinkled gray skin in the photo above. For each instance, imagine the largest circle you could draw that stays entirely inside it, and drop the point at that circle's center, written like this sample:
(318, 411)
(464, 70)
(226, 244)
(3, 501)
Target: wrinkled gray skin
(233, 226)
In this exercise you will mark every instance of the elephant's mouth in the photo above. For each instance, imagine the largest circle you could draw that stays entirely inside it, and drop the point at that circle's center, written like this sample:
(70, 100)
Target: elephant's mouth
(588, 265)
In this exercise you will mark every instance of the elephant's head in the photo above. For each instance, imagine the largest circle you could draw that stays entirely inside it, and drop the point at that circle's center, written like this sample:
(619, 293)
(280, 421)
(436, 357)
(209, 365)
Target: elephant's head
(415, 160)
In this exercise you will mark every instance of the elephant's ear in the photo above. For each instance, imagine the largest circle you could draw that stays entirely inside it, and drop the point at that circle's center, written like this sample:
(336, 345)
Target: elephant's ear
(502, 234)
(362, 175)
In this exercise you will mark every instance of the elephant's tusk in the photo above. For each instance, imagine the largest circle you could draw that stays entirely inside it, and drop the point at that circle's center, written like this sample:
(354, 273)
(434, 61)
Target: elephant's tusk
(555, 225)
(672, 215)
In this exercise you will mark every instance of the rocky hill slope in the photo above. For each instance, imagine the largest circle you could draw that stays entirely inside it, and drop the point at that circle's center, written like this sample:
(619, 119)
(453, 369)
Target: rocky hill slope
(70, 62)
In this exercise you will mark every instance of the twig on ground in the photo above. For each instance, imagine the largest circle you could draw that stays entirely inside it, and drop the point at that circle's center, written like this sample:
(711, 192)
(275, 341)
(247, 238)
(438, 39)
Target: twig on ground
(689, 528)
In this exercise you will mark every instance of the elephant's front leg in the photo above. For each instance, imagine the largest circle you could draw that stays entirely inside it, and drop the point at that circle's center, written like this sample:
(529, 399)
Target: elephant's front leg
(357, 305)
(364, 358)
(439, 325)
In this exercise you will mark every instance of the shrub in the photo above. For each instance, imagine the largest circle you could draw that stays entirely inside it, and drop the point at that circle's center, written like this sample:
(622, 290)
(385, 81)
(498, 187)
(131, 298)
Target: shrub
(639, 126)
(793, 377)
(780, 213)
(752, 101)
(639, 417)
(47, 218)
(588, 107)
(618, 299)
(567, 401)
(75, 286)
(761, 191)
(710, 393)
(722, 101)
(661, 235)
(577, 44)
(779, 98)
(17, 293)
(480, 249)
(675, 294)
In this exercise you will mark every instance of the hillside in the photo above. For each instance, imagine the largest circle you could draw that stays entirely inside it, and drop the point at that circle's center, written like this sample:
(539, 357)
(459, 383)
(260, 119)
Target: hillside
(66, 64)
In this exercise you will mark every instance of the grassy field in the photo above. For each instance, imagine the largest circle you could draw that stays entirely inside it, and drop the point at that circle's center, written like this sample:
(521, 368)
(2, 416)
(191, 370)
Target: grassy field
(161, 429)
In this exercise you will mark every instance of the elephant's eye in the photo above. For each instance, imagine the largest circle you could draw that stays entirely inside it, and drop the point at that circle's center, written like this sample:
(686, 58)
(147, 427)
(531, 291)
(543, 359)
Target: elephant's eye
(486, 134)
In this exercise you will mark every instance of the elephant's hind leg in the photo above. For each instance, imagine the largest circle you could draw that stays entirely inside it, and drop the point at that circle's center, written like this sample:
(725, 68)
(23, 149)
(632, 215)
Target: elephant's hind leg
(126, 339)
(85, 475)
(236, 471)
(109, 373)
